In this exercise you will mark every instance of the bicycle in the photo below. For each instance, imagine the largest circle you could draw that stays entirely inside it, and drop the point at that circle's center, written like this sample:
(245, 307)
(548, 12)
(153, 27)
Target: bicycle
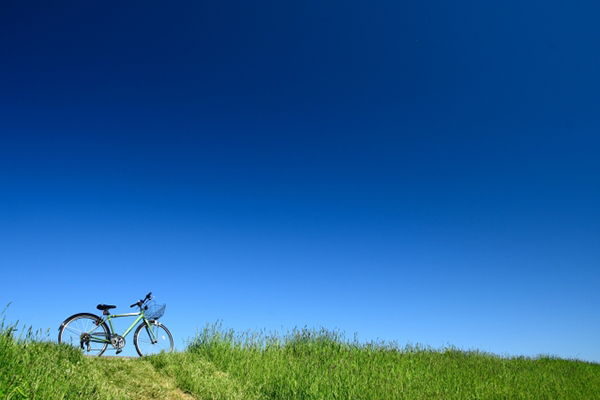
(93, 334)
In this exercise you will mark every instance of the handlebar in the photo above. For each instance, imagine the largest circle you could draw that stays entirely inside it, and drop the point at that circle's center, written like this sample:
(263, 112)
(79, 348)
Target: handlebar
(141, 302)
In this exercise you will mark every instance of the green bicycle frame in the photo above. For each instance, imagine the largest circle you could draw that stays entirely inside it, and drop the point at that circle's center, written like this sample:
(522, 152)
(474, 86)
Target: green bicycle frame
(110, 317)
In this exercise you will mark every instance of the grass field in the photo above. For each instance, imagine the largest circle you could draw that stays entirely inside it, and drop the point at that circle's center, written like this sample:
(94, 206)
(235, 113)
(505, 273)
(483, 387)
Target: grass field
(302, 364)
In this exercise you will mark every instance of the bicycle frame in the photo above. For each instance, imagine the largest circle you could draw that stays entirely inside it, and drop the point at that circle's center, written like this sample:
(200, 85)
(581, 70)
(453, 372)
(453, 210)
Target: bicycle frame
(140, 316)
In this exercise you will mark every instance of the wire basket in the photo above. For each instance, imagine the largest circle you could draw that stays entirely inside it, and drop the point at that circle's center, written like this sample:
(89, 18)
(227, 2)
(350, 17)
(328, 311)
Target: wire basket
(154, 311)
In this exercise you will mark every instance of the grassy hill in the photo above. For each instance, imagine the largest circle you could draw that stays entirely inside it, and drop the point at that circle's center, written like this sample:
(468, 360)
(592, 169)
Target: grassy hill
(302, 364)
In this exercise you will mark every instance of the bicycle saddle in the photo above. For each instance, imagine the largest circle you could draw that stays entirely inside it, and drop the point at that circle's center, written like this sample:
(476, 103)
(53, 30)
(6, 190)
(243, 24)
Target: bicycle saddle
(105, 307)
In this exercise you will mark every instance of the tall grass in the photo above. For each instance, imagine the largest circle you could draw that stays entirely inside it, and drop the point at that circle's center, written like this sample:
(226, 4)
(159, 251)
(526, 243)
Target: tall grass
(321, 364)
(32, 367)
(300, 364)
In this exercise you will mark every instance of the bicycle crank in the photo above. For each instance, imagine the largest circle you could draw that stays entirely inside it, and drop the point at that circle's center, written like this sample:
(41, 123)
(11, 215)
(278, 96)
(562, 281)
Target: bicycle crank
(118, 342)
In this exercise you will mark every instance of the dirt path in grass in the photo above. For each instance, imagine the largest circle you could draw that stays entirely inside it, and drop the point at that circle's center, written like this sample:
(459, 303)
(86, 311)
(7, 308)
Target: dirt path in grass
(137, 379)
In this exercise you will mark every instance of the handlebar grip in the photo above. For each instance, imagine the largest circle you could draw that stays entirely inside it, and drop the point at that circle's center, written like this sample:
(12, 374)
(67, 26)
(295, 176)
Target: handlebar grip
(148, 296)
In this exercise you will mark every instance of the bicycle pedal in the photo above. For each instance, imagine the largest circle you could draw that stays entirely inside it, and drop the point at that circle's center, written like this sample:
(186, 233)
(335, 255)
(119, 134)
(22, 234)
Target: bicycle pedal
(120, 350)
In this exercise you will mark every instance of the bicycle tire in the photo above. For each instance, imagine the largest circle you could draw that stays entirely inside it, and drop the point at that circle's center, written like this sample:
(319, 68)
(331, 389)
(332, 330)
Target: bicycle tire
(143, 341)
(79, 327)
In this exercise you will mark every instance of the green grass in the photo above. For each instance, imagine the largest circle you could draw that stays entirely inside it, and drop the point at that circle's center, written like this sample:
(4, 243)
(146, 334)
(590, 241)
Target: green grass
(302, 364)
(321, 364)
(31, 367)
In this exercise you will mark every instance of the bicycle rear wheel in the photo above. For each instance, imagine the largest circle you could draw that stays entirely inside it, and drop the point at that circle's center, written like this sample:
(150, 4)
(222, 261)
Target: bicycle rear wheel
(85, 332)
(152, 340)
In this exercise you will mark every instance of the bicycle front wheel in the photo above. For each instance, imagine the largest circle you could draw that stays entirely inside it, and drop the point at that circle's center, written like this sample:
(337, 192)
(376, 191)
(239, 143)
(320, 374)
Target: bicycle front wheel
(153, 339)
(85, 332)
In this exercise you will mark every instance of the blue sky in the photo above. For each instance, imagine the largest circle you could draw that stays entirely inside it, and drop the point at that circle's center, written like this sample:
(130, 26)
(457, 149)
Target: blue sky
(423, 173)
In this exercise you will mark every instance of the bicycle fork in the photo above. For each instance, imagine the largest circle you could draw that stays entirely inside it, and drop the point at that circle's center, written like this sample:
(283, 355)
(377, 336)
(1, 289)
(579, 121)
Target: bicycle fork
(153, 338)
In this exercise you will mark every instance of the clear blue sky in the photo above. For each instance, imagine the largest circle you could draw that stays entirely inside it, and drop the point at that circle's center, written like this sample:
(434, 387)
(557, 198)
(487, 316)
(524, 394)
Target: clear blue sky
(423, 172)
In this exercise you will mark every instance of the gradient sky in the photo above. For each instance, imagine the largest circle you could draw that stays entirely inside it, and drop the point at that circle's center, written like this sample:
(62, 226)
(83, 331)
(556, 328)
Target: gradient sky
(423, 172)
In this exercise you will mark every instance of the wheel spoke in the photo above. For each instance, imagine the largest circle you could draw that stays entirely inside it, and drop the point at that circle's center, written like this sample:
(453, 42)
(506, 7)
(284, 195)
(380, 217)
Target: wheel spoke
(72, 329)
